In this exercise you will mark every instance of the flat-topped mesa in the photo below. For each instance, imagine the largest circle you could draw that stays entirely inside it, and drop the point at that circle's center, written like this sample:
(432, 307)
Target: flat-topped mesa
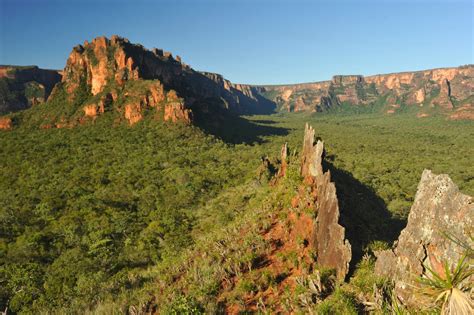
(450, 89)
(328, 240)
(439, 212)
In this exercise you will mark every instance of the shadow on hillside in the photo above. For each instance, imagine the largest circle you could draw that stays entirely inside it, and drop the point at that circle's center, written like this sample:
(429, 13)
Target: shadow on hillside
(232, 128)
(264, 122)
(363, 214)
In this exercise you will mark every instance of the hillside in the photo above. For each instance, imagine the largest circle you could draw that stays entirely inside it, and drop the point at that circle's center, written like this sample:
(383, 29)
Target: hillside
(99, 218)
(449, 91)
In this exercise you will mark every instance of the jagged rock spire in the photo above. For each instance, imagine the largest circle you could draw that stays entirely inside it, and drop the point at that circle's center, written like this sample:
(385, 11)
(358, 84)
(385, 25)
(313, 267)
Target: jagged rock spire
(331, 247)
(311, 164)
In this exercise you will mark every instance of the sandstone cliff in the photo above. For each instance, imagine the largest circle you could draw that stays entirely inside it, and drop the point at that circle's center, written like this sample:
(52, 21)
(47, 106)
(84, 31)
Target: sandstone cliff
(111, 63)
(23, 87)
(127, 80)
(450, 90)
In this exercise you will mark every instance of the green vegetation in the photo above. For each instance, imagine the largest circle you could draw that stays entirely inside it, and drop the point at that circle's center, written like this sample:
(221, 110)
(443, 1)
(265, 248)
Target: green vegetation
(105, 217)
(449, 291)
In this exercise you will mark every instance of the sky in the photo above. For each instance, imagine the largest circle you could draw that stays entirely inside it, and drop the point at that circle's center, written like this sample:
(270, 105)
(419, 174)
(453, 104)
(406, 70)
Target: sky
(251, 41)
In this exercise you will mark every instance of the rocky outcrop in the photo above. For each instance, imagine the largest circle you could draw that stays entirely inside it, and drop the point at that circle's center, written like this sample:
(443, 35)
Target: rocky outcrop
(447, 89)
(312, 155)
(439, 210)
(99, 63)
(116, 75)
(23, 87)
(331, 248)
(465, 112)
(6, 123)
(175, 110)
(93, 110)
(133, 112)
(114, 61)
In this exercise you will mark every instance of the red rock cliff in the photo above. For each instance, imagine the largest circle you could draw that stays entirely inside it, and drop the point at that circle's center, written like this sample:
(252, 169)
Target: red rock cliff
(451, 89)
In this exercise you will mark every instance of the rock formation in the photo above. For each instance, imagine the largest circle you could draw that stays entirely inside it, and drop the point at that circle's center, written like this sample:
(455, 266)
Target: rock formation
(448, 89)
(23, 87)
(312, 155)
(331, 247)
(439, 209)
(106, 61)
(93, 110)
(5, 123)
(116, 75)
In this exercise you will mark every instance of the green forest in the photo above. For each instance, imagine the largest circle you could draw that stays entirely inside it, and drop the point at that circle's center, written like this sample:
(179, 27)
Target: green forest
(100, 216)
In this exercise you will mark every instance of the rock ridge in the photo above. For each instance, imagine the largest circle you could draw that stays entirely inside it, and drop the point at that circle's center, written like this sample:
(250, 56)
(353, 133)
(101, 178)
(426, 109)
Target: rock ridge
(332, 249)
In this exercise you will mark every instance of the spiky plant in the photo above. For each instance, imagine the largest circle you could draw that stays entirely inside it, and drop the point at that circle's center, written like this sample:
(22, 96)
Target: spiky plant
(452, 288)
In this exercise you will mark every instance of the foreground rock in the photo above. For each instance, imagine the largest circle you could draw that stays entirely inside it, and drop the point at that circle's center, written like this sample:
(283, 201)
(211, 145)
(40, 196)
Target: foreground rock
(438, 208)
(331, 248)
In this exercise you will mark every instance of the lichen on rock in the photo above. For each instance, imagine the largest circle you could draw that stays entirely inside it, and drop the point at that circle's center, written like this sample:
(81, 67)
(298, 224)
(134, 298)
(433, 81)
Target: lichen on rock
(439, 212)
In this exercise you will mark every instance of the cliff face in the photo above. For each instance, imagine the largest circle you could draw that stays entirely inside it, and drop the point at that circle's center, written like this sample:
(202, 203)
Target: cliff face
(114, 75)
(23, 87)
(450, 89)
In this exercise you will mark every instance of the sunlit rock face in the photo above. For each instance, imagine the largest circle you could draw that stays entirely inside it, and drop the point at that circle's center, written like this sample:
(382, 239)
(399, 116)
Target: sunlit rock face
(332, 249)
(439, 212)
(447, 89)
(114, 75)
(103, 61)
(5, 123)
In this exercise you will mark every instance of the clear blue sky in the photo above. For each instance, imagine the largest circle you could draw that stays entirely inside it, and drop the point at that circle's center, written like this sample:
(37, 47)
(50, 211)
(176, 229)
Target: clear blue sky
(259, 41)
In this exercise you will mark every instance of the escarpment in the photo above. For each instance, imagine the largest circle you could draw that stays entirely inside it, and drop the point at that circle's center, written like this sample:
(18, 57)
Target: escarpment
(23, 87)
(450, 90)
(127, 80)
(113, 62)
(441, 219)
